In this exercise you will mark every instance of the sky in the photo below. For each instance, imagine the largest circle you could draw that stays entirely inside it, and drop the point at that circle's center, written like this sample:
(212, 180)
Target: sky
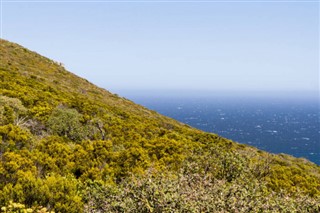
(174, 45)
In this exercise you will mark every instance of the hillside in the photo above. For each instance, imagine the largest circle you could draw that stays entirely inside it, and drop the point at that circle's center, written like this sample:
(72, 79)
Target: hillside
(68, 146)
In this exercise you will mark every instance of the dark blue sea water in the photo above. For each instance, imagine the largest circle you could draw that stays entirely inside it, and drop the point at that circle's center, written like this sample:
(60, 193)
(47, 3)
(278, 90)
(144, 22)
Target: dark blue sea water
(278, 125)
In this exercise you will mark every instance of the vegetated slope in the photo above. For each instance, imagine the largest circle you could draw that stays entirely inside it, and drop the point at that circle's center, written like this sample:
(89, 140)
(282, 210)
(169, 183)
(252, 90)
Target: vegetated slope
(70, 146)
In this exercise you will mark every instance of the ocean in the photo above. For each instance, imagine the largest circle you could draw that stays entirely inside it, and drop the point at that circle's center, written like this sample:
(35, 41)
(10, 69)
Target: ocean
(288, 125)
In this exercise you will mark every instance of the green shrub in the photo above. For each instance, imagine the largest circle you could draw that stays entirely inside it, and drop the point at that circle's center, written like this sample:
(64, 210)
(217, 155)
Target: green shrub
(66, 122)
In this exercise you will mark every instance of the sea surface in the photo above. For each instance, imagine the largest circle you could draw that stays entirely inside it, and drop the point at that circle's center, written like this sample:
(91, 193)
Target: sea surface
(277, 125)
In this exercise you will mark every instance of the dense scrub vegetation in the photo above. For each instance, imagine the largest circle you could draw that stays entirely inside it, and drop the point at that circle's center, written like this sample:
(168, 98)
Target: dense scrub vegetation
(69, 146)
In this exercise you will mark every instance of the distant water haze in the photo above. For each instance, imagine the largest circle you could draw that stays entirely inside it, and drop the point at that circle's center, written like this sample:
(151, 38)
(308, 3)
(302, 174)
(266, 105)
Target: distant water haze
(228, 94)
(278, 122)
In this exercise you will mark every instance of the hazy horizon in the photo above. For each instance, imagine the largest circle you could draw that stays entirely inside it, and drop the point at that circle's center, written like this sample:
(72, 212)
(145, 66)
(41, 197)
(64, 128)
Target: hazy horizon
(185, 93)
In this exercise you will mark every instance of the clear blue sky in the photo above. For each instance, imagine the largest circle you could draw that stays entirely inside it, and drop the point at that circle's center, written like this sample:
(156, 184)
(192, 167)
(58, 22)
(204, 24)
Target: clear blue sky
(242, 46)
